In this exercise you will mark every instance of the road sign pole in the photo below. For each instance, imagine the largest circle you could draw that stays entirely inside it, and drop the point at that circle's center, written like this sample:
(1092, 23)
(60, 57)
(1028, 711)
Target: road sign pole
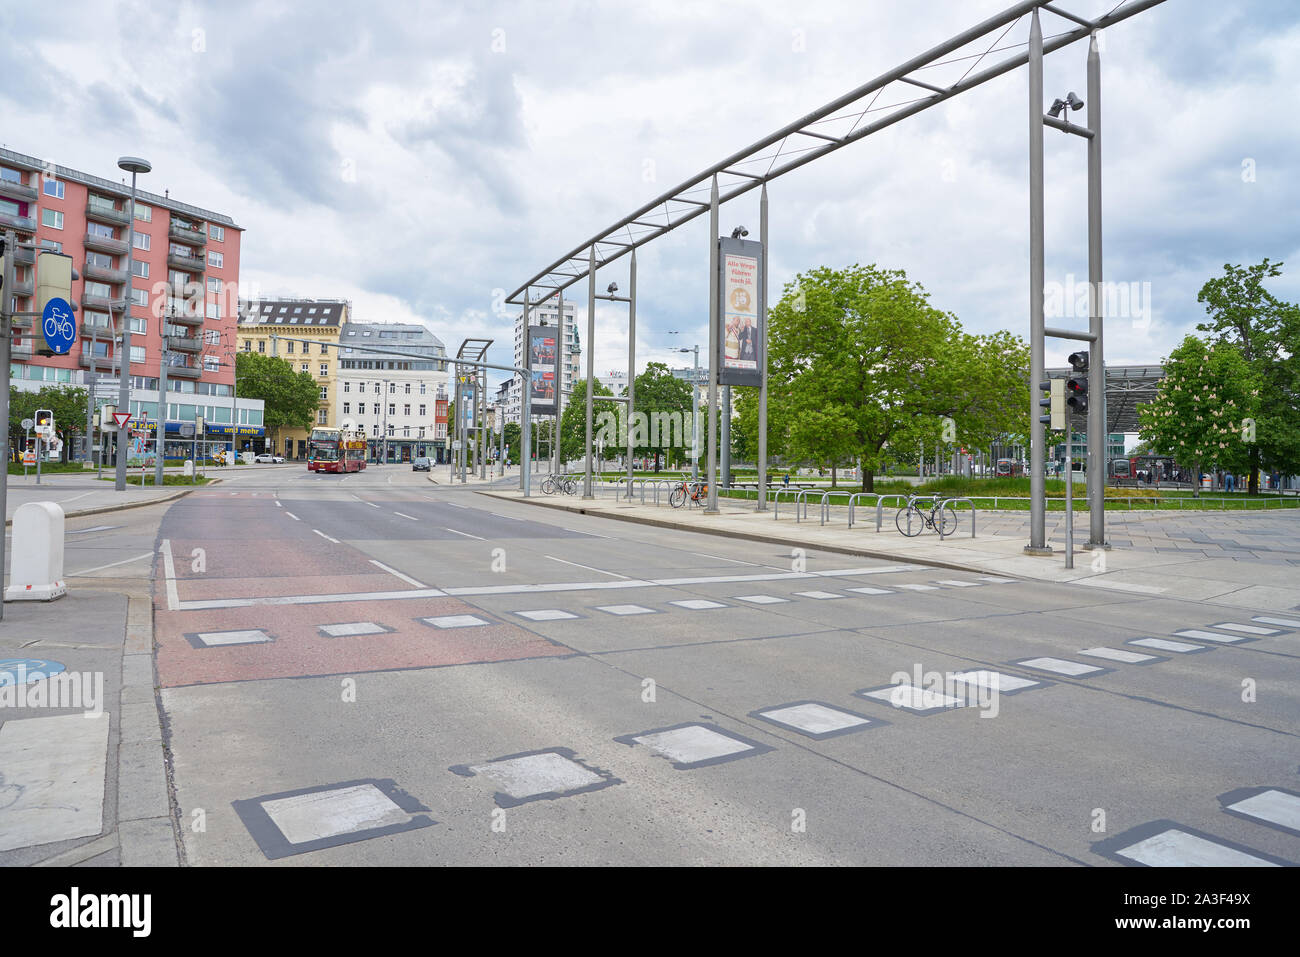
(160, 442)
(711, 507)
(631, 368)
(591, 368)
(6, 342)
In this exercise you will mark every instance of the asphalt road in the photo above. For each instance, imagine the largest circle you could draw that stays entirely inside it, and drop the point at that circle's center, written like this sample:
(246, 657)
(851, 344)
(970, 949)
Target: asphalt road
(373, 669)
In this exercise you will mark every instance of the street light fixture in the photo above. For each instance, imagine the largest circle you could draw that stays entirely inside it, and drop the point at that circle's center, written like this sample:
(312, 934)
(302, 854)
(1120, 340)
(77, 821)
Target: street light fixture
(738, 232)
(133, 165)
(695, 411)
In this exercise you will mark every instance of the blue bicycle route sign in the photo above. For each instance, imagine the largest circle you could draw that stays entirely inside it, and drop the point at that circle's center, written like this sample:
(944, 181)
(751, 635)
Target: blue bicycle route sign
(58, 326)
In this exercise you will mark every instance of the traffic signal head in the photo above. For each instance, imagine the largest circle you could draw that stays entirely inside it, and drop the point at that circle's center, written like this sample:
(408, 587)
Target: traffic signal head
(1077, 387)
(1054, 403)
(44, 417)
(1079, 361)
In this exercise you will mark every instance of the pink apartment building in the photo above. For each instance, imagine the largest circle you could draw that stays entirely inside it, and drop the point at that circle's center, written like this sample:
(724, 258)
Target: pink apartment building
(87, 218)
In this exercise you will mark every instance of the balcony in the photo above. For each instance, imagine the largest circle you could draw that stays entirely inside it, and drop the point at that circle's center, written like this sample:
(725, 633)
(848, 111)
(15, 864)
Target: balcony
(24, 288)
(183, 372)
(104, 273)
(102, 363)
(18, 191)
(105, 244)
(24, 257)
(23, 224)
(185, 343)
(92, 331)
(191, 264)
(184, 315)
(22, 322)
(110, 215)
(184, 234)
(90, 300)
(21, 350)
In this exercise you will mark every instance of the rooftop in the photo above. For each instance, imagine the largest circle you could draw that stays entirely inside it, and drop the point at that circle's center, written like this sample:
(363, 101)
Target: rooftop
(299, 312)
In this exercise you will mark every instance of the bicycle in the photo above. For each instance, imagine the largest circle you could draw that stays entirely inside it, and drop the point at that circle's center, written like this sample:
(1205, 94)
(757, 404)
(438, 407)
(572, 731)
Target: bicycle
(697, 492)
(548, 485)
(918, 519)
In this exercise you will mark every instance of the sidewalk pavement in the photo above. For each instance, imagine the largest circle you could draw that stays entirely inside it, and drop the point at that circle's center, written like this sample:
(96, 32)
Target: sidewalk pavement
(79, 494)
(76, 786)
(1210, 556)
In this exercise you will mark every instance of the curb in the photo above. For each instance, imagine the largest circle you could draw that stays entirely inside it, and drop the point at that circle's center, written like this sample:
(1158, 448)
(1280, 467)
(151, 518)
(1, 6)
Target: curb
(121, 508)
(746, 536)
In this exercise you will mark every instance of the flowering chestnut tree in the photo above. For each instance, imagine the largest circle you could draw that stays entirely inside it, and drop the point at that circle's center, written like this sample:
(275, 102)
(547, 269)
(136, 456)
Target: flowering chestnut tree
(1204, 409)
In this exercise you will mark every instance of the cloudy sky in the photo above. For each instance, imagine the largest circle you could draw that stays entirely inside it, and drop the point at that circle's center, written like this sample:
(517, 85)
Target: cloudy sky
(418, 159)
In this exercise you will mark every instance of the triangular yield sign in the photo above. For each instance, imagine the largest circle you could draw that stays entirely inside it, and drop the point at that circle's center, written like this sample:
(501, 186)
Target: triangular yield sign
(121, 418)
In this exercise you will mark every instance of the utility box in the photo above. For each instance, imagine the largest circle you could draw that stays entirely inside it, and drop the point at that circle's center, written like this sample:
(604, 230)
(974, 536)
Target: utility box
(37, 569)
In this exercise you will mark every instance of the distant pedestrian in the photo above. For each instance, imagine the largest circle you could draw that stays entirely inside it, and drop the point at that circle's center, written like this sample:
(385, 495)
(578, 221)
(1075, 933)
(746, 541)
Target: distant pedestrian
(786, 481)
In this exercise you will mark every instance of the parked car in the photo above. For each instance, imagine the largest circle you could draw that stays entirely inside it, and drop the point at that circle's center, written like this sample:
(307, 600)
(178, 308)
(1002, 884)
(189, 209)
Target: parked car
(422, 464)
(265, 457)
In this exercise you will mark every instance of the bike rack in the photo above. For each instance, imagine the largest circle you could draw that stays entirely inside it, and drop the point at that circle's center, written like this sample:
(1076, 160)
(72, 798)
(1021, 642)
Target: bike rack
(949, 501)
(825, 507)
(776, 499)
(853, 499)
(801, 497)
(663, 483)
(880, 506)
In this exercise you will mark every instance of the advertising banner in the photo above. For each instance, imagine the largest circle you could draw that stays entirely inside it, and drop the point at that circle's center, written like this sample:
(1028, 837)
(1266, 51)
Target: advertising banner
(741, 286)
(542, 360)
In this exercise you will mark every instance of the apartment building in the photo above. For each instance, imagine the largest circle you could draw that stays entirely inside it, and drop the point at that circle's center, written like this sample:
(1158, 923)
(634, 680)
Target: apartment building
(392, 383)
(304, 333)
(182, 288)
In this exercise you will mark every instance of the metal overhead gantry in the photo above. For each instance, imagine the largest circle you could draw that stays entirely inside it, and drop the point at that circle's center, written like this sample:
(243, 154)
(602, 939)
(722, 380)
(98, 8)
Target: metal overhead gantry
(470, 355)
(965, 61)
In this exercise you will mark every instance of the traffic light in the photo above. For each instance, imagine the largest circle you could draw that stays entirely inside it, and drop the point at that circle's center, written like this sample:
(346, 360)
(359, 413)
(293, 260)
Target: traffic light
(44, 422)
(1077, 385)
(1054, 403)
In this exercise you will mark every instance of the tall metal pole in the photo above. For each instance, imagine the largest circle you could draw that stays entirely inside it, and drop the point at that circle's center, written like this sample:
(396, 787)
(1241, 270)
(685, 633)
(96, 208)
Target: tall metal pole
(160, 442)
(561, 364)
(695, 417)
(1097, 434)
(762, 352)
(525, 412)
(591, 365)
(726, 436)
(526, 435)
(1037, 505)
(482, 443)
(90, 399)
(1069, 493)
(6, 344)
(135, 165)
(631, 365)
(714, 322)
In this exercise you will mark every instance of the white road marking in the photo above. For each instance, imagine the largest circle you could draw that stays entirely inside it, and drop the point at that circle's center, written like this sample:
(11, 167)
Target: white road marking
(1163, 644)
(1120, 586)
(872, 591)
(352, 629)
(626, 609)
(371, 504)
(169, 571)
(1060, 666)
(1117, 654)
(1284, 622)
(589, 568)
(404, 515)
(698, 604)
(277, 504)
(324, 814)
(534, 774)
(760, 599)
(815, 718)
(916, 587)
(53, 782)
(820, 595)
(125, 561)
(247, 636)
(393, 571)
(455, 621)
(1245, 629)
(999, 581)
(956, 583)
(466, 534)
(96, 528)
(912, 698)
(324, 536)
(692, 744)
(993, 680)
(293, 516)
(1208, 636)
(1175, 848)
(545, 614)
(719, 558)
(1272, 806)
(454, 505)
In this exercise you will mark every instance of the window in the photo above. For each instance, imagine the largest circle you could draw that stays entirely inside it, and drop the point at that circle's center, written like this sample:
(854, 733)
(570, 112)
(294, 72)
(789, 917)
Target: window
(406, 431)
(140, 297)
(51, 245)
(214, 311)
(144, 213)
(214, 284)
(392, 430)
(347, 408)
(139, 326)
(304, 367)
(137, 353)
(141, 240)
(211, 364)
(324, 348)
(406, 409)
(289, 347)
(376, 388)
(408, 388)
(322, 416)
(217, 232)
(324, 393)
(347, 386)
(392, 410)
(392, 388)
(100, 260)
(139, 269)
(54, 187)
(297, 310)
(98, 289)
(324, 369)
(422, 410)
(52, 218)
(218, 259)
(423, 387)
(248, 345)
(261, 345)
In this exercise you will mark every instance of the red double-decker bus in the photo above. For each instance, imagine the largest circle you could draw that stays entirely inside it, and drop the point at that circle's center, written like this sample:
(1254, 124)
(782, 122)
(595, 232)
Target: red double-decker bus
(336, 450)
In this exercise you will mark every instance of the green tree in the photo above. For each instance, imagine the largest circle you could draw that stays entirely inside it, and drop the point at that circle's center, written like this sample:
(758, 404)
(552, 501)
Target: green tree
(291, 398)
(573, 423)
(664, 401)
(1267, 332)
(1197, 413)
(68, 403)
(864, 364)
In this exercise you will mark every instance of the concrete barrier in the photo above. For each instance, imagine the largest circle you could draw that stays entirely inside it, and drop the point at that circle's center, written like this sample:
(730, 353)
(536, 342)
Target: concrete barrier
(37, 570)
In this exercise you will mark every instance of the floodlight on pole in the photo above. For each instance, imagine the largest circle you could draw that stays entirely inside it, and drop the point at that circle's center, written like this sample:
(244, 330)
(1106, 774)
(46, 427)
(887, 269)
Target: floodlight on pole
(738, 232)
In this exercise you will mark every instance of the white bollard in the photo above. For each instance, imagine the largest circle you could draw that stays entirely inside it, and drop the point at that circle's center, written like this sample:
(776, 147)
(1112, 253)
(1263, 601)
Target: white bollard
(37, 570)
(189, 467)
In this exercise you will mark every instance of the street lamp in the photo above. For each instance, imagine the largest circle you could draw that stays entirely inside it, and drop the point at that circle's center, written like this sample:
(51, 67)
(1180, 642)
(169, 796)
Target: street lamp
(133, 165)
(739, 232)
(695, 412)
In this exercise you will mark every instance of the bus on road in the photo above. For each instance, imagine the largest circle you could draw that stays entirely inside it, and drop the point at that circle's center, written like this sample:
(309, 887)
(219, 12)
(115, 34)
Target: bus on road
(336, 450)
